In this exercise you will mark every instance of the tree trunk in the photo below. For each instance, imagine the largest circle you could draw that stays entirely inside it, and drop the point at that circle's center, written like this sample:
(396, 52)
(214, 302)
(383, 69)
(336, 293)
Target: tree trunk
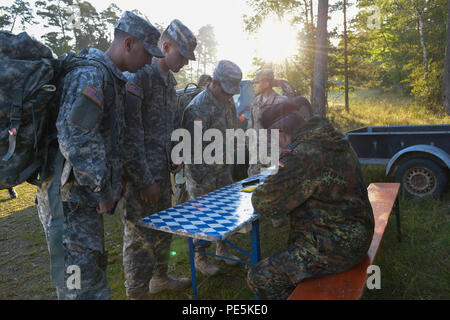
(446, 90)
(321, 60)
(347, 107)
(422, 42)
(306, 13)
(13, 24)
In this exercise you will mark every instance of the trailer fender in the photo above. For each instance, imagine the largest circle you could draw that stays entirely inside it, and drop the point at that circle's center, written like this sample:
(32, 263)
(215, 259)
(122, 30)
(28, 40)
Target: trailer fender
(423, 148)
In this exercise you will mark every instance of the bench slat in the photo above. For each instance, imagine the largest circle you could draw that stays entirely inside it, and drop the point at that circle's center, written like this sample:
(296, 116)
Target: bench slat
(349, 285)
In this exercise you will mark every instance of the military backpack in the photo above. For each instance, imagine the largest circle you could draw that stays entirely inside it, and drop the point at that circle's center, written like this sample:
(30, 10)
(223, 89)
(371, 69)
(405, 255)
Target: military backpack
(30, 91)
(185, 97)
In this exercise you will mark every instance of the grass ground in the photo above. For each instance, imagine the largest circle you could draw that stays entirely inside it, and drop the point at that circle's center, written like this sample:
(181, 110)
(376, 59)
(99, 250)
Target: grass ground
(416, 268)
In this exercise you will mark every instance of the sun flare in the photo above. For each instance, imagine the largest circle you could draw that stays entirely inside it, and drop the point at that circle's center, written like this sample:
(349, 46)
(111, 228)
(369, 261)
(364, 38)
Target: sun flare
(276, 40)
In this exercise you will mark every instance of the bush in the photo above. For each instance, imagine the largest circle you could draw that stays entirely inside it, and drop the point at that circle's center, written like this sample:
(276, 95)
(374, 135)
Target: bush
(427, 92)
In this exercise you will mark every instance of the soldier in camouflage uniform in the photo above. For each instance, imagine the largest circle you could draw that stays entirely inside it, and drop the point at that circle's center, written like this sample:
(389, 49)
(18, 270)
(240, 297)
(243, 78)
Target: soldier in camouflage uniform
(265, 96)
(320, 187)
(263, 85)
(151, 118)
(89, 126)
(181, 194)
(204, 80)
(212, 108)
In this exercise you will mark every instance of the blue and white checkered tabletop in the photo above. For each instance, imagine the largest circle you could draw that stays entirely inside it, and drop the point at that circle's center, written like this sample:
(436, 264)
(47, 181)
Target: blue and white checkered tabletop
(211, 217)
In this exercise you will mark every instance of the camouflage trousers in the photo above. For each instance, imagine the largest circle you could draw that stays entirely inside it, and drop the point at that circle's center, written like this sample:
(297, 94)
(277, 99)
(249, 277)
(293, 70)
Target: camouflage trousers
(181, 193)
(276, 277)
(145, 251)
(83, 242)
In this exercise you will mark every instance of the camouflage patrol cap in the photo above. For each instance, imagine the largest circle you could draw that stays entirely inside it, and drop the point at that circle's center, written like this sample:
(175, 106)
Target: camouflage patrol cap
(183, 37)
(141, 29)
(229, 76)
(265, 74)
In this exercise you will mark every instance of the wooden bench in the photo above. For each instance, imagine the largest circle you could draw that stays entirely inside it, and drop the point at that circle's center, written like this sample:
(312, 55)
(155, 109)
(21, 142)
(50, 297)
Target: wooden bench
(350, 285)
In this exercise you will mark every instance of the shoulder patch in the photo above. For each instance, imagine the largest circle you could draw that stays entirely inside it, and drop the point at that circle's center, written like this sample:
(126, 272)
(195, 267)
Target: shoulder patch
(93, 94)
(281, 164)
(134, 90)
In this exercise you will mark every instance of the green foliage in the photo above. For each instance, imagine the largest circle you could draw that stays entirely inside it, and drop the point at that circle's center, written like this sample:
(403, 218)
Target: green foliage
(19, 10)
(384, 47)
(427, 91)
(206, 58)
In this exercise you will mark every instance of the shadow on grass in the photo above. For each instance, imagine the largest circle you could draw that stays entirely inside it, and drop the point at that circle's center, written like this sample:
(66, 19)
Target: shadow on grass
(24, 260)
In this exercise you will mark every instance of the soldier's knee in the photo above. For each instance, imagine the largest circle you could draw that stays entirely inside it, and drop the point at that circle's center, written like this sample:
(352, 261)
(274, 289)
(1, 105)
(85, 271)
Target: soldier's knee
(256, 276)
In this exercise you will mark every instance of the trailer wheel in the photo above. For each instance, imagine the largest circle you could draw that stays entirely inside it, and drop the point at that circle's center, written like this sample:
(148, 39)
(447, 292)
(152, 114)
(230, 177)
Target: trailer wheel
(421, 177)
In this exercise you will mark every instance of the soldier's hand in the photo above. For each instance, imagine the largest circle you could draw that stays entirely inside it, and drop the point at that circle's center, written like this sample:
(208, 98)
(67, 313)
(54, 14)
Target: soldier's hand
(150, 194)
(106, 206)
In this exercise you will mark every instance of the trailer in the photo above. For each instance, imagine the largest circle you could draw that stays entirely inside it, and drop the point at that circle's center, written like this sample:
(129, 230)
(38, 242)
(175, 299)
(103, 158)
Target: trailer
(418, 155)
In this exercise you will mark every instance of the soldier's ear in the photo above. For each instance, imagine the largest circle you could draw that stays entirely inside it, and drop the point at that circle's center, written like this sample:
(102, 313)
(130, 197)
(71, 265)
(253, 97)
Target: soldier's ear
(165, 46)
(128, 43)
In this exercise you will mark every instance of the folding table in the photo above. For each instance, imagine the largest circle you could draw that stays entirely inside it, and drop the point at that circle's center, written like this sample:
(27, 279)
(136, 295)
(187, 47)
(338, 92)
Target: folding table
(213, 217)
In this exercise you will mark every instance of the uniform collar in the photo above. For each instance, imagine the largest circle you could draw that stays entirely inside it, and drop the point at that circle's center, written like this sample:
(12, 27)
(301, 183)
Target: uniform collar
(107, 60)
(271, 98)
(216, 102)
(170, 82)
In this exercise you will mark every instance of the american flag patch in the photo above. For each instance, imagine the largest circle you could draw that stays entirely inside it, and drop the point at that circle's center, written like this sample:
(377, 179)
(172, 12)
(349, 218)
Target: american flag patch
(93, 94)
(281, 164)
(134, 89)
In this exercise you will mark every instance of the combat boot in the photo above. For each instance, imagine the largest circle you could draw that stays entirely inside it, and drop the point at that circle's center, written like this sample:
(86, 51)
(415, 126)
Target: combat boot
(138, 295)
(203, 265)
(222, 250)
(168, 282)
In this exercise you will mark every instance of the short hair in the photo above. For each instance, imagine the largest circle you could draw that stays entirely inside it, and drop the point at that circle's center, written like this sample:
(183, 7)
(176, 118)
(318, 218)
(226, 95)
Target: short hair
(120, 35)
(304, 105)
(284, 116)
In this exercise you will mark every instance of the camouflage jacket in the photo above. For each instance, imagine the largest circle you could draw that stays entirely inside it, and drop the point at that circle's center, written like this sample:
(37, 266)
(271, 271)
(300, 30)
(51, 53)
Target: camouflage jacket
(214, 115)
(320, 186)
(151, 116)
(89, 124)
(257, 107)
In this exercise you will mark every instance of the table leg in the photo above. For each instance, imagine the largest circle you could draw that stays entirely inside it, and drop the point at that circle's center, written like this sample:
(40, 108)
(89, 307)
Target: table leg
(193, 275)
(397, 213)
(256, 255)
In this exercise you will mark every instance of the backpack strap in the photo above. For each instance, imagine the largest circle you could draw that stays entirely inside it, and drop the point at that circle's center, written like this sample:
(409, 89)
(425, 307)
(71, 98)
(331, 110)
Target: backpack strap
(56, 225)
(16, 118)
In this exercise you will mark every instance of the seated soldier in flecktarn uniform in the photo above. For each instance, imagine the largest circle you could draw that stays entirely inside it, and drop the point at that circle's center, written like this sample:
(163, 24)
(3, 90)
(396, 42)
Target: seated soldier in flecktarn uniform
(320, 187)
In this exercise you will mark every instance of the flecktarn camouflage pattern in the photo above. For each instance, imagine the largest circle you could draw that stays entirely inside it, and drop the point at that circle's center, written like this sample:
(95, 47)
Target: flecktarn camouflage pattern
(320, 187)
